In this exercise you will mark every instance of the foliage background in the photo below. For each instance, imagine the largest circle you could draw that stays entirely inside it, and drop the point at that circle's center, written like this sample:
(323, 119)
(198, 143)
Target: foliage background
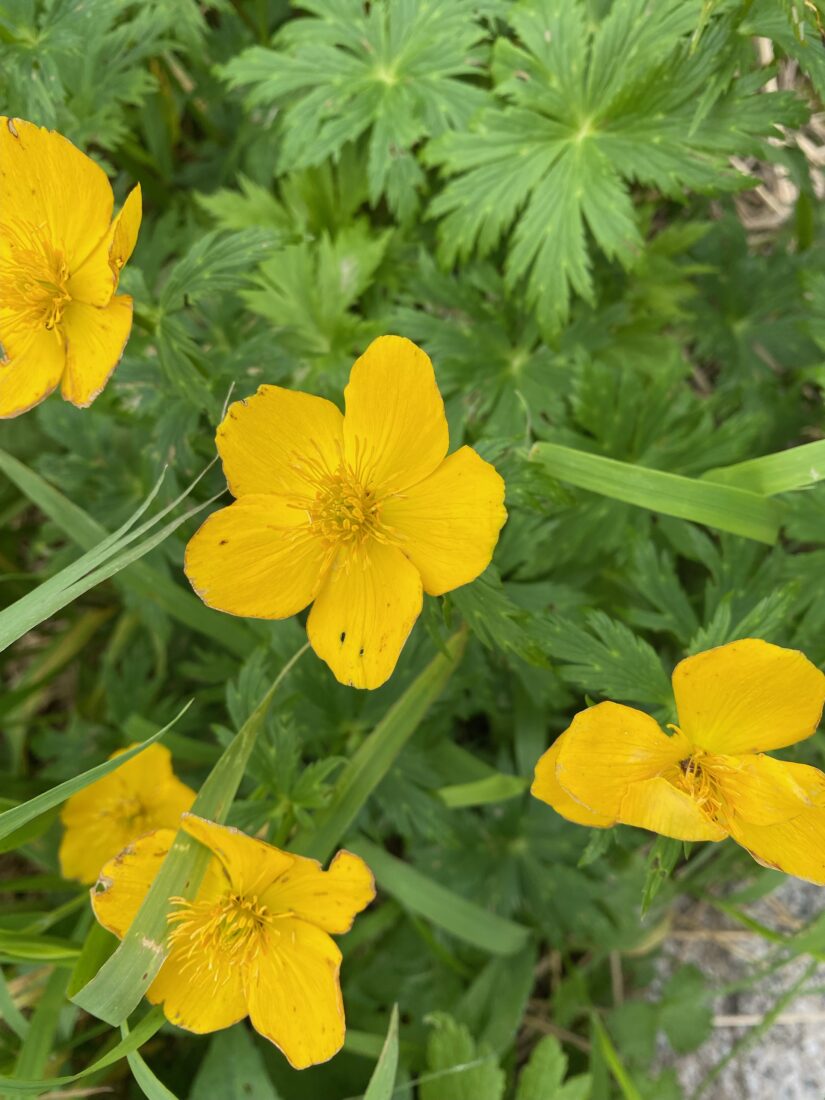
(602, 221)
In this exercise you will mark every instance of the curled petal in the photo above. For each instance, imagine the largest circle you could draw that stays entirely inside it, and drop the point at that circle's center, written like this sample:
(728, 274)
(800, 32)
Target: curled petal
(609, 746)
(796, 847)
(96, 280)
(547, 787)
(764, 791)
(657, 805)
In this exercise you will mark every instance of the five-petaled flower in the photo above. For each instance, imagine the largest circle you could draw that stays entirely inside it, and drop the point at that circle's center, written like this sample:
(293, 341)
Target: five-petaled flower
(358, 513)
(141, 795)
(710, 779)
(60, 261)
(254, 941)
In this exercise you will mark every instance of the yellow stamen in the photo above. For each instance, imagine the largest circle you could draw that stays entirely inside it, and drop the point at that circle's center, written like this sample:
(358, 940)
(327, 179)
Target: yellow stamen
(34, 276)
(231, 929)
(694, 775)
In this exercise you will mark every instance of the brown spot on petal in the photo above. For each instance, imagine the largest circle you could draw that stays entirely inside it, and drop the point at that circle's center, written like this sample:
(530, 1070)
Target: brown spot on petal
(12, 128)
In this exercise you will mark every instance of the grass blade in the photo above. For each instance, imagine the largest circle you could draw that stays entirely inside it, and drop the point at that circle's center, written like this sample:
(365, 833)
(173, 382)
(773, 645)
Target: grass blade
(149, 1085)
(426, 898)
(482, 792)
(151, 1023)
(796, 468)
(721, 506)
(141, 578)
(382, 1082)
(611, 1056)
(377, 754)
(117, 988)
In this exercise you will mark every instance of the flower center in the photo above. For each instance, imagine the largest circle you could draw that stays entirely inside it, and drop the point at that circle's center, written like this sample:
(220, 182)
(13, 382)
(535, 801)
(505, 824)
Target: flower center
(344, 511)
(33, 278)
(235, 928)
(131, 813)
(693, 776)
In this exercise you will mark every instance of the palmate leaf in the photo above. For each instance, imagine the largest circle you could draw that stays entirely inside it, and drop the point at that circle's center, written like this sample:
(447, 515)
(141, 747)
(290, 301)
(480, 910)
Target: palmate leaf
(392, 70)
(585, 114)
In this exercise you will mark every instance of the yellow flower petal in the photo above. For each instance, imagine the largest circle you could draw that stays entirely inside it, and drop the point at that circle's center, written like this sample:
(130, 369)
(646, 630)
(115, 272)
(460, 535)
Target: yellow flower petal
(764, 791)
(395, 429)
(275, 440)
(295, 999)
(748, 696)
(608, 747)
(249, 864)
(30, 377)
(329, 899)
(449, 523)
(257, 558)
(125, 880)
(197, 994)
(547, 788)
(141, 795)
(657, 805)
(363, 613)
(796, 847)
(46, 181)
(96, 280)
(95, 340)
(125, 228)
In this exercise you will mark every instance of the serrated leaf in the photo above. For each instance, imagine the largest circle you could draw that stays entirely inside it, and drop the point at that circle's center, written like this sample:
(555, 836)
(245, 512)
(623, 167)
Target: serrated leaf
(457, 1070)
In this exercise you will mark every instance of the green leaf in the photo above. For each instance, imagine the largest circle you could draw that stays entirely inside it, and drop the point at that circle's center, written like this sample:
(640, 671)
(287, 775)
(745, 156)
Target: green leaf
(578, 124)
(151, 1023)
(606, 658)
(721, 506)
(611, 1056)
(457, 1070)
(120, 983)
(482, 792)
(543, 1076)
(141, 578)
(149, 1084)
(19, 816)
(795, 468)
(22, 947)
(377, 754)
(686, 1010)
(9, 1012)
(424, 897)
(382, 1082)
(233, 1069)
(390, 74)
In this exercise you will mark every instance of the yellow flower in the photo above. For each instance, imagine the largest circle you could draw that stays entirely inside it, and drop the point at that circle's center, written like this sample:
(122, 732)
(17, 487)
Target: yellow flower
(709, 779)
(141, 795)
(360, 513)
(255, 940)
(60, 261)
